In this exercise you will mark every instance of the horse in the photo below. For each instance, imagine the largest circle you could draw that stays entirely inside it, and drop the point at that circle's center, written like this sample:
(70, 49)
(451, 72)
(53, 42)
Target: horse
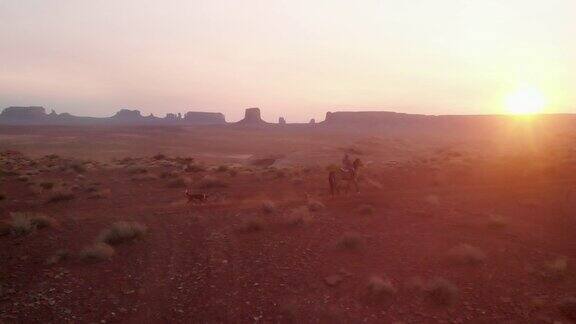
(350, 176)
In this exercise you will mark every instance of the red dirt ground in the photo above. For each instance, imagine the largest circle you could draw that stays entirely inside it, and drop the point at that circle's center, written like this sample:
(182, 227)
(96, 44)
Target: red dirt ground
(200, 264)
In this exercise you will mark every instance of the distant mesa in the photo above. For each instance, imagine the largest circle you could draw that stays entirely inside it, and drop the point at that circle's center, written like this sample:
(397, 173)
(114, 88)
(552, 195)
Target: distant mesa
(205, 118)
(128, 114)
(281, 121)
(24, 113)
(252, 117)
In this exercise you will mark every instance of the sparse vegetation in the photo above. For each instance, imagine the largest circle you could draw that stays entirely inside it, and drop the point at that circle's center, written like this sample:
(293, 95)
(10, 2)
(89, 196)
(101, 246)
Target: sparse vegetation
(496, 221)
(252, 224)
(350, 241)
(365, 209)
(567, 307)
(122, 231)
(61, 194)
(25, 223)
(57, 257)
(299, 217)
(100, 194)
(379, 287)
(466, 254)
(97, 252)
(268, 207)
(5, 228)
(442, 292)
(315, 205)
(46, 185)
(556, 269)
(159, 156)
(222, 168)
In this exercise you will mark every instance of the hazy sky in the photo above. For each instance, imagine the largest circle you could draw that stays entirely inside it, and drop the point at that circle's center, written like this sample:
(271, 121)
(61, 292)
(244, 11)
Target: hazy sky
(296, 58)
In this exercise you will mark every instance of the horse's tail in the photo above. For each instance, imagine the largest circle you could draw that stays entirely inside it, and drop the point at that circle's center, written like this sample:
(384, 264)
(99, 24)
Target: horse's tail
(332, 181)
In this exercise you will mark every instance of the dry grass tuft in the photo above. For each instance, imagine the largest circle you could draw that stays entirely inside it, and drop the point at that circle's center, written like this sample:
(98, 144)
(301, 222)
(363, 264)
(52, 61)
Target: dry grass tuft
(379, 287)
(442, 292)
(97, 252)
(466, 254)
(365, 209)
(315, 205)
(122, 231)
(556, 269)
(5, 228)
(61, 194)
(350, 241)
(269, 207)
(252, 224)
(567, 307)
(299, 217)
(24, 223)
(46, 185)
(496, 221)
(58, 257)
(179, 182)
(100, 194)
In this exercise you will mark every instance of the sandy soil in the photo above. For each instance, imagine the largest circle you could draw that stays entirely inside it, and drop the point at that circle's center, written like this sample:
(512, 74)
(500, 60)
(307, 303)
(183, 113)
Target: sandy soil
(229, 260)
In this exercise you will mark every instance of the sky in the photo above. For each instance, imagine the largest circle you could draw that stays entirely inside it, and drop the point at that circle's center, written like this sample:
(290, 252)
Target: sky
(292, 58)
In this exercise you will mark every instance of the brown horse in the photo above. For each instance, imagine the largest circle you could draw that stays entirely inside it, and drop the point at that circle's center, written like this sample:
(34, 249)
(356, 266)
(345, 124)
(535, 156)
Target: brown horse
(350, 176)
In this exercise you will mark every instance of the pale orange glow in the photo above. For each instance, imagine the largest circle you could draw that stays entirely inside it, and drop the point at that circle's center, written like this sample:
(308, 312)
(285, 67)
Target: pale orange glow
(525, 101)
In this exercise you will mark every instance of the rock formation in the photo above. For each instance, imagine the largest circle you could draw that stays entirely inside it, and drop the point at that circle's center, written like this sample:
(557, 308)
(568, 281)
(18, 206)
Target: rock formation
(312, 121)
(24, 113)
(281, 121)
(205, 118)
(128, 114)
(252, 117)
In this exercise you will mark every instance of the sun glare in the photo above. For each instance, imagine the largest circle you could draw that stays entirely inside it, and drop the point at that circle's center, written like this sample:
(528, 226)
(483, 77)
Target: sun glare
(525, 101)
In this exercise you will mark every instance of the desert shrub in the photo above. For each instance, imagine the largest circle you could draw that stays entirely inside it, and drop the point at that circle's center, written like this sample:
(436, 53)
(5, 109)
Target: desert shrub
(100, 194)
(379, 287)
(122, 231)
(159, 157)
(496, 221)
(195, 168)
(61, 194)
(567, 307)
(350, 241)
(222, 168)
(299, 217)
(210, 183)
(25, 223)
(168, 174)
(466, 254)
(42, 221)
(268, 207)
(57, 257)
(442, 292)
(97, 252)
(297, 181)
(78, 167)
(136, 170)
(315, 205)
(233, 172)
(2, 196)
(46, 185)
(556, 269)
(252, 224)
(365, 209)
(5, 228)
(23, 178)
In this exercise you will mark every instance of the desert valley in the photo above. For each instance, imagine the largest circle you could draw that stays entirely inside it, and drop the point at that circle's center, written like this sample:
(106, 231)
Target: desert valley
(193, 219)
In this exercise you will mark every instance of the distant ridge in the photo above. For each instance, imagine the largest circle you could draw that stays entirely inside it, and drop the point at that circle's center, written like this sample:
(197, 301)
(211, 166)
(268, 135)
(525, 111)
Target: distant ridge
(36, 115)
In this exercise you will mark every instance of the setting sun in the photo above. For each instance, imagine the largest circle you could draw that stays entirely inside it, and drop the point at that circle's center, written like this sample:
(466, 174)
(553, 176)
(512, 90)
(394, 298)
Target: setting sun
(525, 101)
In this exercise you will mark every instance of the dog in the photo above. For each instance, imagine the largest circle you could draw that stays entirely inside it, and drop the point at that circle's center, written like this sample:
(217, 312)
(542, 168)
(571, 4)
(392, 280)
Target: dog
(198, 198)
